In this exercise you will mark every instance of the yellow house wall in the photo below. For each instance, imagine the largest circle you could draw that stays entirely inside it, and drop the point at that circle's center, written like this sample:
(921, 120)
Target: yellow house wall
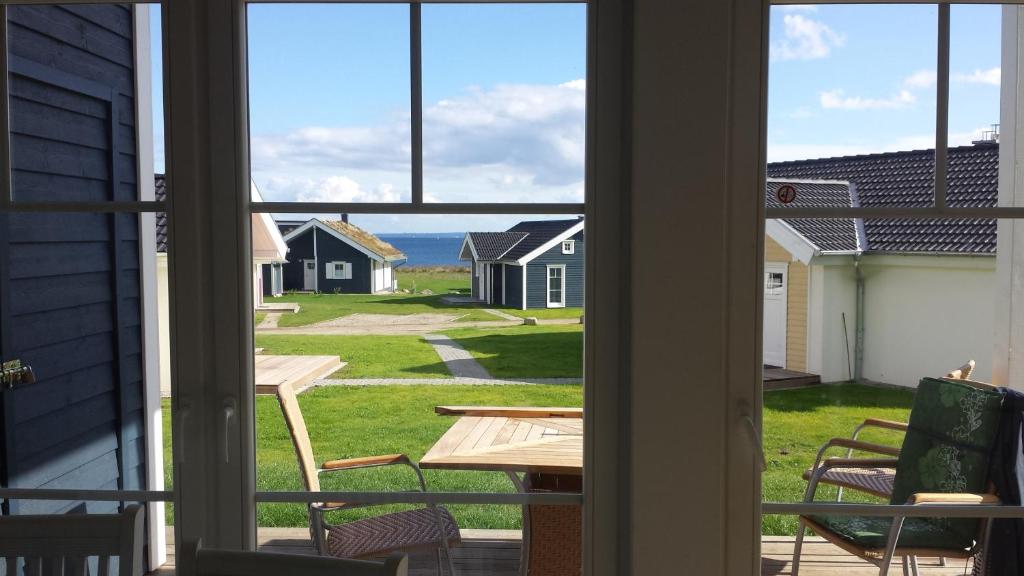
(796, 304)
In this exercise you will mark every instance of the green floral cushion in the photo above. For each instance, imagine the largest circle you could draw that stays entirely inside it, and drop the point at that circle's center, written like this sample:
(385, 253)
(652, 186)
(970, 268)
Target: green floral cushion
(946, 449)
(873, 532)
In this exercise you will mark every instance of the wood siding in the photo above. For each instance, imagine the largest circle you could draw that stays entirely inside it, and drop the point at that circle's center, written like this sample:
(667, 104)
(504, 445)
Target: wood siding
(796, 304)
(537, 275)
(70, 296)
(329, 249)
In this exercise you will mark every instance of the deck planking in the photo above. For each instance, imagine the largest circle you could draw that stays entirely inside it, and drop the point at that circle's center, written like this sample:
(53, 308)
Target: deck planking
(496, 553)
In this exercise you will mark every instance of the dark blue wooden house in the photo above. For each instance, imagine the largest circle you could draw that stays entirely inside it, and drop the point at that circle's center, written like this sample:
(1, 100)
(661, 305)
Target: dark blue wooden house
(534, 264)
(335, 256)
(72, 301)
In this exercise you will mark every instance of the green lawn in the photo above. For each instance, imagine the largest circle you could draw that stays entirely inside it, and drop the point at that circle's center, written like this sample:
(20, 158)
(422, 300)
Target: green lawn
(258, 317)
(798, 422)
(438, 281)
(525, 351)
(353, 421)
(545, 313)
(345, 422)
(367, 356)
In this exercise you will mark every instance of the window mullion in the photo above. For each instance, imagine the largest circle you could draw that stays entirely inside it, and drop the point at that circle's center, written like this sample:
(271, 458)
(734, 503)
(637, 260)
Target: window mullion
(416, 97)
(942, 108)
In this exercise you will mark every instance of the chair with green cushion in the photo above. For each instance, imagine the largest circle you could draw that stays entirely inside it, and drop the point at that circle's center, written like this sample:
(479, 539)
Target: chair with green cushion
(944, 460)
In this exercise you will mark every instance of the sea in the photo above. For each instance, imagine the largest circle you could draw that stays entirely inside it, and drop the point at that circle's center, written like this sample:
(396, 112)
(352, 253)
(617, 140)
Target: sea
(437, 249)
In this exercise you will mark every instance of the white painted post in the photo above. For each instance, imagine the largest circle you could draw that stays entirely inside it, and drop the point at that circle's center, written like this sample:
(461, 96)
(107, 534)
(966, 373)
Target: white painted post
(1008, 360)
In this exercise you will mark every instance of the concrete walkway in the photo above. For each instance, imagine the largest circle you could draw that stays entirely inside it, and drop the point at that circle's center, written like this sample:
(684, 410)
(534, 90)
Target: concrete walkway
(459, 362)
(445, 381)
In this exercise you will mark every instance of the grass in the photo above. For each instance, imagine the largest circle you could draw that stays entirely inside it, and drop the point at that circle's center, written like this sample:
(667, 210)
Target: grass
(525, 351)
(798, 422)
(545, 313)
(367, 356)
(258, 318)
(358, 421)
(437, 280)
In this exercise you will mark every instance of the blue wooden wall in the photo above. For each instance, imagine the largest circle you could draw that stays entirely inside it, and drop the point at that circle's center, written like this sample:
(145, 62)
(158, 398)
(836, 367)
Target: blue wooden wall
(328, 249)
(70, 299)
(537, 276)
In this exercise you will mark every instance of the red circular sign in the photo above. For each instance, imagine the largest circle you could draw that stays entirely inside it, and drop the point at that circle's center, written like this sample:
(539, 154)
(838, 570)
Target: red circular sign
(786, 193)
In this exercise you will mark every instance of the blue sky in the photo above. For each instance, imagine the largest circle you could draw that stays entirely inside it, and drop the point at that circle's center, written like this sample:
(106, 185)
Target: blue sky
(503, 97)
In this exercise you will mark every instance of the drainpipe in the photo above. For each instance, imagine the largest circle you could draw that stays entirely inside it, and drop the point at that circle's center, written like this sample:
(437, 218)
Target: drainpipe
(858, 343)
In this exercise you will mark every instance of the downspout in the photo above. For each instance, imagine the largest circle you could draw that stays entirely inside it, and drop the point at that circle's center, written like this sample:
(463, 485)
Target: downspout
(858, 342)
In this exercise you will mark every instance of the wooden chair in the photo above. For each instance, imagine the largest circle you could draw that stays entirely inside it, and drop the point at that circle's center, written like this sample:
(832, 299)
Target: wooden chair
(63, 544)
(211, 562)
(877, 481)
(944, 460)
(428, 527)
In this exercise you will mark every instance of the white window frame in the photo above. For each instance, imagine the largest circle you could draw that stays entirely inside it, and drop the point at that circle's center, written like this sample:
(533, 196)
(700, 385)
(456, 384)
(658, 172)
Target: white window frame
(547, 287)
(568, 247)
(332, 273)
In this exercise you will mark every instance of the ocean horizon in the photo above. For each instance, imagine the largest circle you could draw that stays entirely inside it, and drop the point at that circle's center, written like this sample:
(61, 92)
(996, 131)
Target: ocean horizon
(428, 248)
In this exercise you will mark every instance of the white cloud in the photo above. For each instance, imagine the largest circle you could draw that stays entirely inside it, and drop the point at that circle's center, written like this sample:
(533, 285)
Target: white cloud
(991, 77)
(805, 39)
(330, 189)
(798, 8)
(510, 143)
(920, 79)
(837, 100)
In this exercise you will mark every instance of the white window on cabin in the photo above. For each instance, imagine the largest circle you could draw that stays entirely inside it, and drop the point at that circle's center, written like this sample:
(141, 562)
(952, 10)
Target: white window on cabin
(569, 247)
(772, 283)
(339, 271)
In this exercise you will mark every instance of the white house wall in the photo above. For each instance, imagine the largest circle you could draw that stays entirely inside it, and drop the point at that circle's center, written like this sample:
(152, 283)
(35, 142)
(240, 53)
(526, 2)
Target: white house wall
(925, 315)
(838, 287)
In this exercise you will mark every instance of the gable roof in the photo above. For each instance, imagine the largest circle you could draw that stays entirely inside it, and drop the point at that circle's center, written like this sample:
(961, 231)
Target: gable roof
(906, 179)
(827, 235)
(522, 242)
(494, 245)
(353, 235)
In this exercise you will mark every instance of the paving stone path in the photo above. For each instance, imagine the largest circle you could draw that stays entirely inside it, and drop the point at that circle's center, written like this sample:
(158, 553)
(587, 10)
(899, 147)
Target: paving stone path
(459, 361)
(444, 381)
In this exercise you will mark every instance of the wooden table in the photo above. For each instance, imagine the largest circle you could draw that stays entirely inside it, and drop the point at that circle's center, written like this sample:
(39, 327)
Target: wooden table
(545, 446)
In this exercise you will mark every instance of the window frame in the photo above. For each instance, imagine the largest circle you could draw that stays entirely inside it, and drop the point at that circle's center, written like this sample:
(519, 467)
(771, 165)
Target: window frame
(561, 290)
(568, 247)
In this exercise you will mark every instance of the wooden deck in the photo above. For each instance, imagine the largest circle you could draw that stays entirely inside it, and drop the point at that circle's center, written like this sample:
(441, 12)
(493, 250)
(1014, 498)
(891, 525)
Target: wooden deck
(496, 553)
(780, 378)
(300, 371)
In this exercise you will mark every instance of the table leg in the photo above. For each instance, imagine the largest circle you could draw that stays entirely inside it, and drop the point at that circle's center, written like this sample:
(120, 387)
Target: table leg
(524, 548)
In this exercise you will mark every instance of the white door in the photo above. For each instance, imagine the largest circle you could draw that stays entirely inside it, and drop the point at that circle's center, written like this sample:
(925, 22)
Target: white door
(556, 286)
(309, 275)
(775, 286)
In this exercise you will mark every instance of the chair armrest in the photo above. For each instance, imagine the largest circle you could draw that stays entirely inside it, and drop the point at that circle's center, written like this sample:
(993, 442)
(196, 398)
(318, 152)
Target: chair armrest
(864, 446)
(955, 498)
(887, 424)
(364, 462)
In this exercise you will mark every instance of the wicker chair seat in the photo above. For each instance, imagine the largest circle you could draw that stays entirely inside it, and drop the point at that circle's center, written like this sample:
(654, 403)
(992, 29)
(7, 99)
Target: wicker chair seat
(391, 532)
(875, 481)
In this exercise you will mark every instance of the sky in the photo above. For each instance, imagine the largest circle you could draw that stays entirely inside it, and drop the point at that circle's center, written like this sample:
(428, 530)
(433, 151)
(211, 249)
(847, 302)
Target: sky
(504, 97)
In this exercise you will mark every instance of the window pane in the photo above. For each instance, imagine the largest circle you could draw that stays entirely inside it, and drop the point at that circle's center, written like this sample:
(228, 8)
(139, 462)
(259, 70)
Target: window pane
(329, 102)
(433, 312)
(854, 82)
(504, 102)
(81, 102)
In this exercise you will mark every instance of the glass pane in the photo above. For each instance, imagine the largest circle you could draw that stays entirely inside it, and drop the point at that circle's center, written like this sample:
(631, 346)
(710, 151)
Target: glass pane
(82, 102)
(854, 84)
(504, 102)
(329, 102)
(434, 311)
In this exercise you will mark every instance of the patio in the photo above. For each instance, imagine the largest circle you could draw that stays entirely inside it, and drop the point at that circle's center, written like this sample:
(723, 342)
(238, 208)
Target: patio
(496, 553)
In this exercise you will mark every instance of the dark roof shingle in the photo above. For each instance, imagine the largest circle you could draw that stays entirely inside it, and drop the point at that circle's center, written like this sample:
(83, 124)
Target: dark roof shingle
(838, 235)
(494, 245)
(905, 179)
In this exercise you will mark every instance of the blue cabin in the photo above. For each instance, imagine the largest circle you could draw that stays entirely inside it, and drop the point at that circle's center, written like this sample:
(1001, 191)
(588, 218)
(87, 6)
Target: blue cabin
(534, 264)
(334, 256)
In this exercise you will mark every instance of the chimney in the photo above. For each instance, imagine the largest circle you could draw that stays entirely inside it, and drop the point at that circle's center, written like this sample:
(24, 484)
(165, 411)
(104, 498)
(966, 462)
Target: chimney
(344, 218)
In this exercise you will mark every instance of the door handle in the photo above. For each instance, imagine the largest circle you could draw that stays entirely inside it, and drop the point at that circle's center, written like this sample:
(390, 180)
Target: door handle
(755, 438)
(228, 413)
